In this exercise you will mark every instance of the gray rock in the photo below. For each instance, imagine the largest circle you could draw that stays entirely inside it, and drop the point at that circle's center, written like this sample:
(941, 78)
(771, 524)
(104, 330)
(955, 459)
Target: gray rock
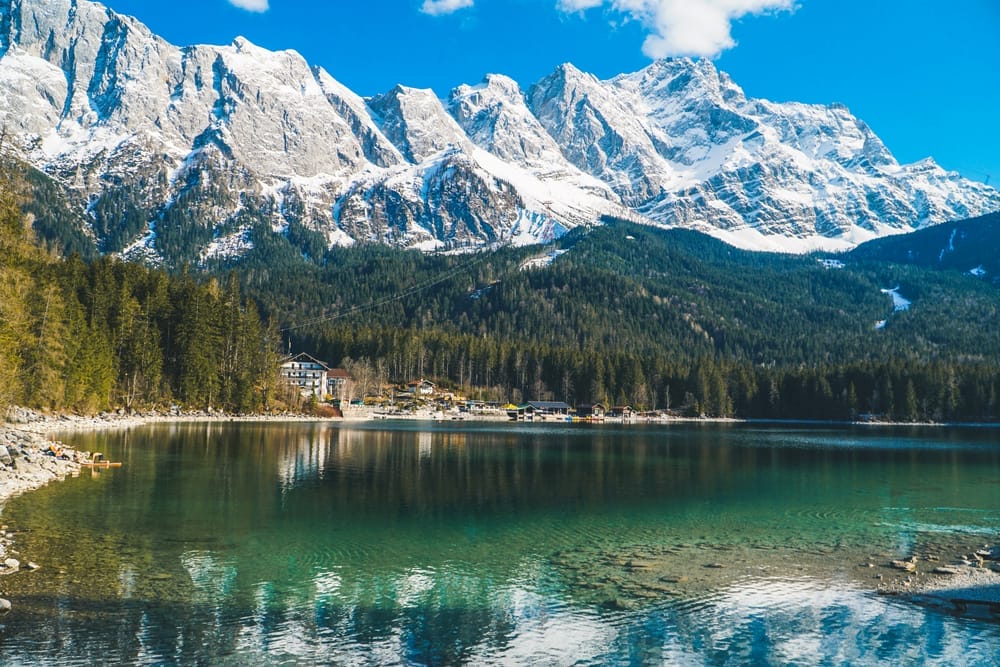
(638, 564)
(905, 565)
(5, 457)
(4, 606)
(989, 553)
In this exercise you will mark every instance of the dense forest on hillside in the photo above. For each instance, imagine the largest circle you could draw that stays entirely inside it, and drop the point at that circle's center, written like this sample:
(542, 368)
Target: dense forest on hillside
(619, 314)
(653, 318)
(970, 246)
(88, 336)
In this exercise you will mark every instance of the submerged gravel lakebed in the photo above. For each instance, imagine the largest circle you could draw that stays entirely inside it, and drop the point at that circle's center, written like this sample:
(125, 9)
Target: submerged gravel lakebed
(662, 559)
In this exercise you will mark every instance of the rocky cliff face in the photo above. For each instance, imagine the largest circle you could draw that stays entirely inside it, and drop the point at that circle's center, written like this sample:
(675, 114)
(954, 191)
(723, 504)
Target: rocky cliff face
(186, 153)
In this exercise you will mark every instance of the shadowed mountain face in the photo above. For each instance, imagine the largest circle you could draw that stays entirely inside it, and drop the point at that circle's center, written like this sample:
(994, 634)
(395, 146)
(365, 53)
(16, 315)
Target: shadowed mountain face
(970, 246)
(184, 154)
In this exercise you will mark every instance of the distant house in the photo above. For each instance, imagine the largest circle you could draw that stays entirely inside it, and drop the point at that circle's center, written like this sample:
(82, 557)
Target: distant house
(337, 381)
(421, 387)
(538, 411)
(549, 408)
(621, 412)
(483, 407)
(307, 374)
(592, 410)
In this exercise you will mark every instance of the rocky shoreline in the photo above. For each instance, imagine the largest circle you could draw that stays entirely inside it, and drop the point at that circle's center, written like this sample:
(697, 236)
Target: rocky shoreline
(965, 583)
(29, 459)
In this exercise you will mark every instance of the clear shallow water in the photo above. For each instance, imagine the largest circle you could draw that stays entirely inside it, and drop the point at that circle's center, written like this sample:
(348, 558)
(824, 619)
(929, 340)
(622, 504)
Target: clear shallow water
(420, 543)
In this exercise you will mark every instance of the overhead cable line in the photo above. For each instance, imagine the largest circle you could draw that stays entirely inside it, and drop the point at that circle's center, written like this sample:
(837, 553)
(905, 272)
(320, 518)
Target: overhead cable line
(416, 289)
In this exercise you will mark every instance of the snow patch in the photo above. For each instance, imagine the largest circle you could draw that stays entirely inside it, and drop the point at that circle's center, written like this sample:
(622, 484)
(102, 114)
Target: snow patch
(899, 303)
(229, 246)
(533, 228)
(143, 249)
(541, 262)
(750, 238)
(427, 245)
(831, 263)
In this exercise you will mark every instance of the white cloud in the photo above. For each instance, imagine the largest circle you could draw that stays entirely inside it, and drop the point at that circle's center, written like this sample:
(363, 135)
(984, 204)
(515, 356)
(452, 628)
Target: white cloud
(439, 7)
(258, 6)
(579, 5)
(682, 27)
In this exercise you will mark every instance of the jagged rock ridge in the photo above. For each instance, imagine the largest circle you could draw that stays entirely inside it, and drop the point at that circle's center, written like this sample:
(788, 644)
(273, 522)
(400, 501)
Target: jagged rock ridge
(183, 153)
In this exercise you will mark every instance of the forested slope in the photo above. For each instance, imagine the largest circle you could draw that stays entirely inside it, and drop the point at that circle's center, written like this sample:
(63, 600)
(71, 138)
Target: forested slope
(89, 336)
(622, 313)
(654, 318)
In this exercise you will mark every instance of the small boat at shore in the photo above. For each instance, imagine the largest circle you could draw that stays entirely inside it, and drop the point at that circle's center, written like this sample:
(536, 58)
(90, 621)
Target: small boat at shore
(102, 464)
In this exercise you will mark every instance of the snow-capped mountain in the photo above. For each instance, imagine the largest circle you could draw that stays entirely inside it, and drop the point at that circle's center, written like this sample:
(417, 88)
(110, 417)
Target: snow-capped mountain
(180, 153)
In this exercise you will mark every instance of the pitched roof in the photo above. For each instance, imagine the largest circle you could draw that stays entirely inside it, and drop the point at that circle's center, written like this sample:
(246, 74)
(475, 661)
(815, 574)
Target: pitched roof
(302, 357)
(548, 405)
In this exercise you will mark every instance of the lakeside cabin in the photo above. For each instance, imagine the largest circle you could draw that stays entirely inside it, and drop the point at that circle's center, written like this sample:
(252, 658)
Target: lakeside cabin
(592, 411)
(622, 412)
(540, 411)
(421, 387)
(337, 381)
(306, 373)
(313, 377)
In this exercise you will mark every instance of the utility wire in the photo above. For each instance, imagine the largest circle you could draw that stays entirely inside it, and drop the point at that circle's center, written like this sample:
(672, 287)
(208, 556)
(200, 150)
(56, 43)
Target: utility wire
(416, 289)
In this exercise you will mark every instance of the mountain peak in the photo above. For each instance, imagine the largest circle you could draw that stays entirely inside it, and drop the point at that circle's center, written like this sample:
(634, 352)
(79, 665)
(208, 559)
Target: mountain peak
(248, 137)
(503, 84)
(684, 76)
(415, 120)
(569, 72)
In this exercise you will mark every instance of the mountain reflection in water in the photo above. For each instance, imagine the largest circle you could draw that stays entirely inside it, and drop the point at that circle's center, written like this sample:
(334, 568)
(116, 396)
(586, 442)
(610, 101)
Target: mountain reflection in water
(420, 543)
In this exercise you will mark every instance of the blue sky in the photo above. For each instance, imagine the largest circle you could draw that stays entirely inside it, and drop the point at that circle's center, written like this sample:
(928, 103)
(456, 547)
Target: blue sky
(925, 74)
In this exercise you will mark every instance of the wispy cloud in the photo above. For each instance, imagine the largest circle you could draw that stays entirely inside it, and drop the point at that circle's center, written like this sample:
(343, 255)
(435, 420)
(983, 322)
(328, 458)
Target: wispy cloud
(676, 27)
(259, 6)
(684, 27)
(439, 7)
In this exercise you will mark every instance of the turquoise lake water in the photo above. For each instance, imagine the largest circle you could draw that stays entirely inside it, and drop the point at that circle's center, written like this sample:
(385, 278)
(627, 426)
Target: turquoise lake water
(426, 543)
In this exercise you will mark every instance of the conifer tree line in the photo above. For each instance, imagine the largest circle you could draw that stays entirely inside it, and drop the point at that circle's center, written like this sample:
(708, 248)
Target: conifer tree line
(629, 315)
(492, 369)
(91, 336)
(656, 320)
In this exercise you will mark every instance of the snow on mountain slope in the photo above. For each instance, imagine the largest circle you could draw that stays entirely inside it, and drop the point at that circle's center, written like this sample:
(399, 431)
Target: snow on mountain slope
(601, 135)
(187, 153)
(459, 191)
(416, 121)
(682, 143)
